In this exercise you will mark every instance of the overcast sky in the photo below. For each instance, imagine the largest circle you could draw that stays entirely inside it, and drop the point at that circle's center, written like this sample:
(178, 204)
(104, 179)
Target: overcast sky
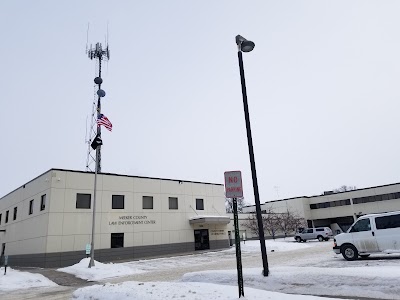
(323, 90)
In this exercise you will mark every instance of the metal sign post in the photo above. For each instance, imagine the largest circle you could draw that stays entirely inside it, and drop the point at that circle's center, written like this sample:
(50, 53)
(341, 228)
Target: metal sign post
(238, 252)
(234, 190)
(5, 264)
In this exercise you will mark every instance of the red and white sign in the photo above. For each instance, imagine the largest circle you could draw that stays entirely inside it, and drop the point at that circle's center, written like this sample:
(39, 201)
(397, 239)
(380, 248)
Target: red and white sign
(233, 184)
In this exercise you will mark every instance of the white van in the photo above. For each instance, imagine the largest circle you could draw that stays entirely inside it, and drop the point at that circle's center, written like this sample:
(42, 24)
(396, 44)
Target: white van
(319, 233)
(374, 233)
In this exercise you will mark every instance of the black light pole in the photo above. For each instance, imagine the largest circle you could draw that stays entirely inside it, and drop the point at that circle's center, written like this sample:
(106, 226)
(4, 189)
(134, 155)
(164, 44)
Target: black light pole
(247, 46)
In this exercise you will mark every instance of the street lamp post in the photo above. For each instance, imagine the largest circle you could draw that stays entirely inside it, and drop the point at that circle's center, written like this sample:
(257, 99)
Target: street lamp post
(247, 46)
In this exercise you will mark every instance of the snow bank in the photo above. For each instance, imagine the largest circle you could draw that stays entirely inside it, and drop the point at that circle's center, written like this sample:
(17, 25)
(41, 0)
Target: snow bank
(370, 282)
(177, 290)
(15, 280)
(99, 271)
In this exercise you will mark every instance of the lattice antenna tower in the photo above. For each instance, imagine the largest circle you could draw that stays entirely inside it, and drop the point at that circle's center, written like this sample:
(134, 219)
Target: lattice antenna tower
(97, 53)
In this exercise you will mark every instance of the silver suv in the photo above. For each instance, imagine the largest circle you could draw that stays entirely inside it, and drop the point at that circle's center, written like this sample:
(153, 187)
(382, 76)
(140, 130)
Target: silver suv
(319, 233)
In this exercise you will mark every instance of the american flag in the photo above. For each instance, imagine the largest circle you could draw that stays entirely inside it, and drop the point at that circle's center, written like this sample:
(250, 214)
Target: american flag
(103, 120)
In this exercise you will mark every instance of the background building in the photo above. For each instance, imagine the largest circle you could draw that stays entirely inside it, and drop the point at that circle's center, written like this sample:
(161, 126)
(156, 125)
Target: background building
(337, 210)
(47, 221)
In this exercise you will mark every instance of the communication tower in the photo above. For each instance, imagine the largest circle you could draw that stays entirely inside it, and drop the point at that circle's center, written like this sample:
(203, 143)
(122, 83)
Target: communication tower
(93, 160)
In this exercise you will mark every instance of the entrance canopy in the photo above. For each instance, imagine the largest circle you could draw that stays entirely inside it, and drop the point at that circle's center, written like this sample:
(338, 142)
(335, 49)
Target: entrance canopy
(222, 220)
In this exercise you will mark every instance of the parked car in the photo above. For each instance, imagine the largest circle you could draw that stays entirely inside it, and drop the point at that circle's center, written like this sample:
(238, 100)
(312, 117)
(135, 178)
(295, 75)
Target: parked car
(374, 233)
(318, 233)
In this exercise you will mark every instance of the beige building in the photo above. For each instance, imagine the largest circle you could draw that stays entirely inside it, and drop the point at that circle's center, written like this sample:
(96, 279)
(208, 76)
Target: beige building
(47, 222)
(335, 210)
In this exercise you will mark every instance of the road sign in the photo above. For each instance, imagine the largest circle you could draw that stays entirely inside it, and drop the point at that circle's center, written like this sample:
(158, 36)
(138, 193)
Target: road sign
(233, 184)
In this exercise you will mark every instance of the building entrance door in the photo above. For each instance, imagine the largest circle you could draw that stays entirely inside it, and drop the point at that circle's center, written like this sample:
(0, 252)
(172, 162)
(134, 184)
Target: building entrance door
(201, 239)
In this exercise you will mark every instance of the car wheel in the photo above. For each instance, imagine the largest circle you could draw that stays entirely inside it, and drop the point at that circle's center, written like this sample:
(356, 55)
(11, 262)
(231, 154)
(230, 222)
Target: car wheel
(298, 239)
(363, 256)
(349, 252)
(320, 238)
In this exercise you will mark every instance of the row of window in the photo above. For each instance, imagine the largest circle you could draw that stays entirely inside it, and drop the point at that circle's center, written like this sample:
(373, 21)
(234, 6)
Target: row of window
(358, 200)
(118, 202)
(42, 207)
(330, 204)
(376, 198)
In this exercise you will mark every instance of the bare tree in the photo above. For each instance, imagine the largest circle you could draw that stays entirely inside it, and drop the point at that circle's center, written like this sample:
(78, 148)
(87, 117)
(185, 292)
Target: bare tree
(274, 223)
(252, 225)
(345, 188)
(229, 204)
(271, 222)
(290, 222)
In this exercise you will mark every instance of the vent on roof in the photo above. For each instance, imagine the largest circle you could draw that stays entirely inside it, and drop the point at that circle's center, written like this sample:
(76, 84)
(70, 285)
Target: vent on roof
(328, 192)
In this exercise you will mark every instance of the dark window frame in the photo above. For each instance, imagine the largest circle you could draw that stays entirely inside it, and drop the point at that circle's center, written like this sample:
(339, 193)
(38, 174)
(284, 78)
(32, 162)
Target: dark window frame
(82, 201)
(198, 206)
(145, 204)
(30, 207)
(15, 213)
(0, 218)
(171, 200)
(116, 201)
(43, 202)
(7, 215)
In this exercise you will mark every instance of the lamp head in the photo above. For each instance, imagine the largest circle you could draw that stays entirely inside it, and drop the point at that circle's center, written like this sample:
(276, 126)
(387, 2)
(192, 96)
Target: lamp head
(243, 44)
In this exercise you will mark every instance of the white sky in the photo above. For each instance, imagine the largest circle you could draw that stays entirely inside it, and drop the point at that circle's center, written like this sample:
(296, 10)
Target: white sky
(322, 87)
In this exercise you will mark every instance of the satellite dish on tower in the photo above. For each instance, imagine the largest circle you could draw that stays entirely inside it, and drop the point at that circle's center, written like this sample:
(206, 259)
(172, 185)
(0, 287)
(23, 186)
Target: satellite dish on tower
(101, 93)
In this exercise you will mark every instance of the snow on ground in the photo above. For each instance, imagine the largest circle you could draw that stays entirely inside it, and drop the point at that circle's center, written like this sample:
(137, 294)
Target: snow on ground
(369, 282)
(99, 270)
(314, 271)
(287, 244)
(15, 280)
(103, 271)
(177, 290)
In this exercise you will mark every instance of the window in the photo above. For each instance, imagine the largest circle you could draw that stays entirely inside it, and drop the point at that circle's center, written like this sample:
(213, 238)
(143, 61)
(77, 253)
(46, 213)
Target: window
(31, 207)
(361, 225)
(319, 229)
(117, 240)
(147, 202)
(43, 202)
(387, 222)
(7, 213)
(199, 204)
(83, 200)
(0, 218)
(118, 201)
(173, 202)
(313, 206)
(343, 202)
(15, 213)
